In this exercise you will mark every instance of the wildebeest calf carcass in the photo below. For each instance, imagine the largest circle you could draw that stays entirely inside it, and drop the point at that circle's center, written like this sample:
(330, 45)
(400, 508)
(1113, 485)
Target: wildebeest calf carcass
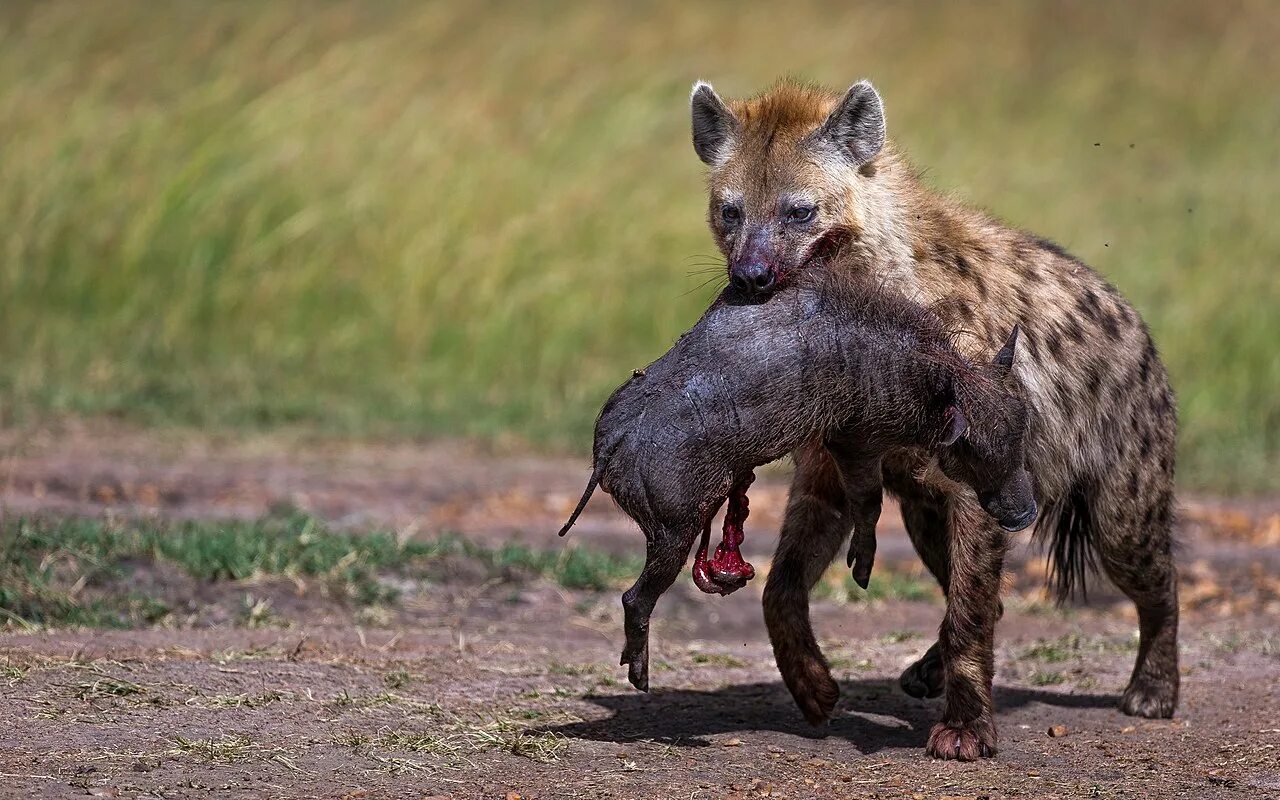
(828, 360)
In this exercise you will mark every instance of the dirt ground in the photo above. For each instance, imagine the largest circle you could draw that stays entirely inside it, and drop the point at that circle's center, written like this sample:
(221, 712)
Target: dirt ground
(477, 688)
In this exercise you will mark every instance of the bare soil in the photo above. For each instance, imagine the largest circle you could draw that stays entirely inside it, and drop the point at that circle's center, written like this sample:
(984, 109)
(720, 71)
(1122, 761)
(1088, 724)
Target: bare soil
(476, 688)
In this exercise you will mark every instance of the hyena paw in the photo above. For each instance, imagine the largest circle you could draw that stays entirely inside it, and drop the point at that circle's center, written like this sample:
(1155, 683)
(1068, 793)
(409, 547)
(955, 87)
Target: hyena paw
(967, 742)
(1151, 699)
(923, 678)
(815, 691)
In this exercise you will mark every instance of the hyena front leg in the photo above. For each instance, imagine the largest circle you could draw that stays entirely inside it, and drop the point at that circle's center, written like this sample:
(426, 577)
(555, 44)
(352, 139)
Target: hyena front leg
(926, 526)
(815, 526)
(924, 515)
(967, 639)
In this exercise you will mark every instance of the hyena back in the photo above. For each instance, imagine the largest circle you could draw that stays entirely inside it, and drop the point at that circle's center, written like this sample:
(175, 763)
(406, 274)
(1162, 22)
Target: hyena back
(801, 178)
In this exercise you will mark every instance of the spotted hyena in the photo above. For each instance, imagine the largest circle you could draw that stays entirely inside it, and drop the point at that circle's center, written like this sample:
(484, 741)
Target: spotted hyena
(798, 173)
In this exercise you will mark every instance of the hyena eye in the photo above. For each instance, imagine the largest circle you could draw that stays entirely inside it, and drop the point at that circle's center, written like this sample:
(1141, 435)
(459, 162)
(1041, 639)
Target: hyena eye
(731, 214)
(801, 214)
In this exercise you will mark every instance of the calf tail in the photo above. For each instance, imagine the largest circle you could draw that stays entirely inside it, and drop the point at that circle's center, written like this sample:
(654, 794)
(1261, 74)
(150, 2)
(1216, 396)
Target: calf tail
(592, 483)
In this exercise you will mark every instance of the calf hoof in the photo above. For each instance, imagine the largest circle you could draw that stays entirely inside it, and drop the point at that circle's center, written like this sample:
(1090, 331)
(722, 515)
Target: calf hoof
(1150, 699)
(923, 679)
(636, 658)
(967, 742)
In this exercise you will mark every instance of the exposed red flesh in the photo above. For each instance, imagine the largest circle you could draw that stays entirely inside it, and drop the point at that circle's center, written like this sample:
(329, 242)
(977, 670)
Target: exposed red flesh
(701, 567)
(726, 571)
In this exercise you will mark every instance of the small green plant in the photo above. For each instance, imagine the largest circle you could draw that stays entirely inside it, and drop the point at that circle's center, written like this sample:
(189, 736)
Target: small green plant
(107, 687)
(356, 740)
(888, 583)
(256, 612)
(557, 668)
(717, 660)
(398, 678)
(13, 674)
(1230, 643)
(346, 700)
(898, 637)
(259, 700)
(573, 566)
(1073, 645)
(1054, 651)
(1045, 678)
(230, 748)
(455, 739)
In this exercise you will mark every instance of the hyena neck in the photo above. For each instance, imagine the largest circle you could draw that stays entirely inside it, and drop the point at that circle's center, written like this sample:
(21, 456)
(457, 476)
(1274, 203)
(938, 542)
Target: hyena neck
(932, 249)
(879, 214)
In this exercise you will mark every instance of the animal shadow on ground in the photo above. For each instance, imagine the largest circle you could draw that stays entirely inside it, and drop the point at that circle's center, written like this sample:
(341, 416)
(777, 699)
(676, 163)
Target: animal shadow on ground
(872, 714)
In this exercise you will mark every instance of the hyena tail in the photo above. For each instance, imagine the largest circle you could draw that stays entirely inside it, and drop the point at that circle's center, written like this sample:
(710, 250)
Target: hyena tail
(592, 483)
(1067, 528)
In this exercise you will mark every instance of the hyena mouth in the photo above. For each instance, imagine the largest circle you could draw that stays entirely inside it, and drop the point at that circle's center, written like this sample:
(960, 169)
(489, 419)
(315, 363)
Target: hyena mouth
(825, 247)
(726, 571)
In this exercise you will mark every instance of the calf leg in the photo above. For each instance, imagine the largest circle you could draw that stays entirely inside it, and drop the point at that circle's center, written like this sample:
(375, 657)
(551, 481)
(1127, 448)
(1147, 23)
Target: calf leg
(665, 556)
(816, 524)
(865, 492)
(967, 639)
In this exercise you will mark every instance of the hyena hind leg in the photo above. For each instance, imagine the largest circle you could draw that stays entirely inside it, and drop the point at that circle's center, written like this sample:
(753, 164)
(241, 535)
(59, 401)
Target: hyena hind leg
(1125, 527)
(1134, 539)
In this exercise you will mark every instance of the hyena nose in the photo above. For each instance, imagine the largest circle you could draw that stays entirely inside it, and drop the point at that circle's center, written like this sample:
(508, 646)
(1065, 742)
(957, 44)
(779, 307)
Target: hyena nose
(752, 278)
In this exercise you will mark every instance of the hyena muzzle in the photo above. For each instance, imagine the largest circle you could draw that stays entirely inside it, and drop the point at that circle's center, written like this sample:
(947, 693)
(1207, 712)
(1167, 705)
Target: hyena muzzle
(797, 173)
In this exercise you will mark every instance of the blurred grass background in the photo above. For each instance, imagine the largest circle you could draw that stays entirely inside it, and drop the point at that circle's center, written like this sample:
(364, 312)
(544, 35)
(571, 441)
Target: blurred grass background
(475, 219)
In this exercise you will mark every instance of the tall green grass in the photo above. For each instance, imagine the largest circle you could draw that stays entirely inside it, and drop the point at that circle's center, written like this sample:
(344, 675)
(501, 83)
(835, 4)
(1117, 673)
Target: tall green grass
(474, 219)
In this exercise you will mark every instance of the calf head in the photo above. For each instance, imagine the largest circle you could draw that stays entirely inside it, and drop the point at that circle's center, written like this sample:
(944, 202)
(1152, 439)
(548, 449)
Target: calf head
(986, 447)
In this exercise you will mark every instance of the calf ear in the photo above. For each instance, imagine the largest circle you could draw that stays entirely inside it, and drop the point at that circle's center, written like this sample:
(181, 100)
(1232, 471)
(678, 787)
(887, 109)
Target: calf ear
(856, 125)
(713, 124)
(954, 425)
(1003, 361)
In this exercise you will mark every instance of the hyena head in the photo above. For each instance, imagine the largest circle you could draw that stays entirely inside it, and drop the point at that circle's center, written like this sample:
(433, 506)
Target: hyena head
(989, 451)
(790, 175)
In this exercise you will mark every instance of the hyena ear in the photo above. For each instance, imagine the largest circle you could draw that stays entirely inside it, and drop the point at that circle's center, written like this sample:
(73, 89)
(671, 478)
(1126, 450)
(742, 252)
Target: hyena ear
(856, 125)
(955, 423)
(1003, 362)
(713, 124)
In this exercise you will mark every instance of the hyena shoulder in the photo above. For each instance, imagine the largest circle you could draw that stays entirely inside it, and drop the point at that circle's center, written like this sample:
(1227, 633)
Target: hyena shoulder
(1091, 370)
